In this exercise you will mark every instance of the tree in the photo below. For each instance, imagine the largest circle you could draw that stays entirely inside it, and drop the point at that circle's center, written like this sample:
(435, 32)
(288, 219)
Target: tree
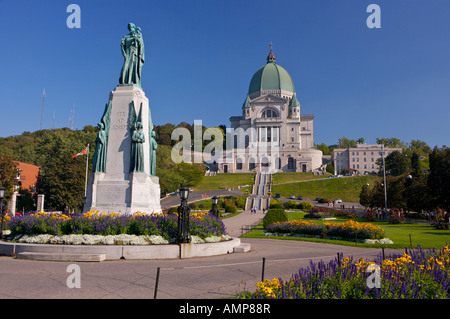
(415, 165)
(419, 147)
(346, 143)
(396, 191)
(391, 142)
(324, 148)
(396, 163)
(191, 174)
(8, 172)
(417, 193)
(63, 177)
(439, 177)
(365, 196)
(330, 168)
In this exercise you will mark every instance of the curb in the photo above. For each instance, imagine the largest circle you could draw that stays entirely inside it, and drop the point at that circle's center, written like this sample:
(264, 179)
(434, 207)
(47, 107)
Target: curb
(81, 253)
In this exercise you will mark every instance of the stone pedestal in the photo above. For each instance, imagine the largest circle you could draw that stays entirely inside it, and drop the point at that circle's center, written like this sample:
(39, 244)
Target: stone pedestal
(118, 189)
(40, 202)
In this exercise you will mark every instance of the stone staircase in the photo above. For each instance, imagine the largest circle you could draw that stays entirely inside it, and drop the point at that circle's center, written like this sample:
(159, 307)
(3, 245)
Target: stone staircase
(259, 197)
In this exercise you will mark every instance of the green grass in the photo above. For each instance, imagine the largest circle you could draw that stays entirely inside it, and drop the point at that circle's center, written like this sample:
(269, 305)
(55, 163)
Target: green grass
(345, 188)
(421, 234)
(224, 181)
(283, 178)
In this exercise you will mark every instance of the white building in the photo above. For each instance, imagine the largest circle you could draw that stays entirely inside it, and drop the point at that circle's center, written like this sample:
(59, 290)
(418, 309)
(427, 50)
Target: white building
(361, 159)
(272, 134)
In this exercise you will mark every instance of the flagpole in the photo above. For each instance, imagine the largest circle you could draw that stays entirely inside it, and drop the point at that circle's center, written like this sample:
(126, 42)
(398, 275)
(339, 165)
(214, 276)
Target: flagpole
(87, 164)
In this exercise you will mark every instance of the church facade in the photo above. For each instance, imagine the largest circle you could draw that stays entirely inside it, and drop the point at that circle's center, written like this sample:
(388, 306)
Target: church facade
(271, 134)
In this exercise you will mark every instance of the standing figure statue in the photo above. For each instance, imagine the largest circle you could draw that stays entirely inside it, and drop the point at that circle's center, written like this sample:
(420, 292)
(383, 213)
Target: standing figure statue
(99, 158)
(137, 140)
(133, 51)
(137, 148)
(153, 147)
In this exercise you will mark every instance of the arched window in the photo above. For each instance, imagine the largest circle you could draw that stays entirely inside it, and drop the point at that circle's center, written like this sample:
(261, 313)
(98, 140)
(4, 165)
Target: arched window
(291, 163)
(269, 113)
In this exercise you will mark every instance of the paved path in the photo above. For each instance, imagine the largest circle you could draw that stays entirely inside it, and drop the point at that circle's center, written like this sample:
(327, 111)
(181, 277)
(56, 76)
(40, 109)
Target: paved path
(196, 278)
(234, 224)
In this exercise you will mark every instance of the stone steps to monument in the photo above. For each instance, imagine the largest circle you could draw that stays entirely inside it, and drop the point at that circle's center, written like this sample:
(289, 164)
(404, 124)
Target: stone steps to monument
(75, 257)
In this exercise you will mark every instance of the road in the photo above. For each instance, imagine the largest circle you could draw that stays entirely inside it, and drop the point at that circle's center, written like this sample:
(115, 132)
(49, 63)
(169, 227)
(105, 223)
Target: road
(197, 278)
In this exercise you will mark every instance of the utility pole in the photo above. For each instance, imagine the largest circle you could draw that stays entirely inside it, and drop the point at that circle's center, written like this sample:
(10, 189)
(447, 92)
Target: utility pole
(72, 116)
(384, 179)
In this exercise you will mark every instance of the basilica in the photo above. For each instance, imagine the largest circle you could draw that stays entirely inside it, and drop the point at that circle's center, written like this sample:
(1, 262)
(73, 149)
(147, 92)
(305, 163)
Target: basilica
(271, 135)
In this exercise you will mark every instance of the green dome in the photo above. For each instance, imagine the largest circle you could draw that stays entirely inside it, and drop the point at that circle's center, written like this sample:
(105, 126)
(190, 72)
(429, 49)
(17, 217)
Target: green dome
(271, 77)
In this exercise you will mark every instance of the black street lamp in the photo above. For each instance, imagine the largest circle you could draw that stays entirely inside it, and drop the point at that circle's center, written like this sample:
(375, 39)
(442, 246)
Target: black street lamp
(214, 210)
(183, 217)
(2, 209)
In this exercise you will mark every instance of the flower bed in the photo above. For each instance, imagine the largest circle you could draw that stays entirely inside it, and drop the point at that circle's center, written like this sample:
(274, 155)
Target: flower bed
(421, 274)
(96, 228)
(347, 230)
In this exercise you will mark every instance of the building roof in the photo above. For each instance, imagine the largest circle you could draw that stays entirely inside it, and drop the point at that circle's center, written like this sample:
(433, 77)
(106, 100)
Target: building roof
(247, 102)
(271, 77)
(294, 101)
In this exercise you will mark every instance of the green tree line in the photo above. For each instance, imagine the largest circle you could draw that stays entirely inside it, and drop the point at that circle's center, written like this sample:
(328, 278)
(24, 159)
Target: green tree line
(411, 187)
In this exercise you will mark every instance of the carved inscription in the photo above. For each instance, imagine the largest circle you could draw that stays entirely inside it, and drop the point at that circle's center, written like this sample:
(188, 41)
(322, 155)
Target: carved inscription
(120, 122)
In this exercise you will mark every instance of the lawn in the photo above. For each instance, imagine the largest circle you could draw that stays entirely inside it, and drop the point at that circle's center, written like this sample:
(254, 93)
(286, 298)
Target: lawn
(345, 188)
(224, 181)
(421, 234)
(292, 177)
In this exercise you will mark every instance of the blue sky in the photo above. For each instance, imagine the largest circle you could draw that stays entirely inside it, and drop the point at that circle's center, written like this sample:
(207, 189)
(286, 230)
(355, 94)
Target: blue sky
(201, 55)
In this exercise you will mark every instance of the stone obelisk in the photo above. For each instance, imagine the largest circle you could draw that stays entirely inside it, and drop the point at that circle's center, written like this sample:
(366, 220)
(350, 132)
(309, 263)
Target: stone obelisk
(123, 176)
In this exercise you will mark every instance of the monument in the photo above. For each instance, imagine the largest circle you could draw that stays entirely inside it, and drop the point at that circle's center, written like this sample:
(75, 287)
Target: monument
(123, 175)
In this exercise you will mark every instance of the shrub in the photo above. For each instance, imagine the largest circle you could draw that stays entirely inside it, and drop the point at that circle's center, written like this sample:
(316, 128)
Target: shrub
(306, 206)
(370, 215)
(274, 215)
(274, 203)
(290, 204)
(230, 209)
(240, 202)
(348, 230)
(396, 217)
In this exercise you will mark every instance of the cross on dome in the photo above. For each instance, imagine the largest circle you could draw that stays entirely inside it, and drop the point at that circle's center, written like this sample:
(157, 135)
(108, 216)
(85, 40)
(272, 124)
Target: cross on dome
(271, 56)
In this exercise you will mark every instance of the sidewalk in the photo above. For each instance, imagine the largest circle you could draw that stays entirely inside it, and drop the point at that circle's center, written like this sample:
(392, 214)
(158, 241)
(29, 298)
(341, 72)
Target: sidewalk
(233, 224)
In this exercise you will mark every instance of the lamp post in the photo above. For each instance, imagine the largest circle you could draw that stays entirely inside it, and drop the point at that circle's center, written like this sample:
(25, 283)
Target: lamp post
(2, 208)
(214, 210)
(384, 179)
(183, 217)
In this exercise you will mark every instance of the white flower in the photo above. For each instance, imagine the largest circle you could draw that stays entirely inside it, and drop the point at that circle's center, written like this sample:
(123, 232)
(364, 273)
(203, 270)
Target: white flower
(196, 240)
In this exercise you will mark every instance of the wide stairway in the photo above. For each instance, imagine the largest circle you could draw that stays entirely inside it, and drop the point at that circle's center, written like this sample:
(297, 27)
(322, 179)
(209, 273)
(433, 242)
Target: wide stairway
(259, 197)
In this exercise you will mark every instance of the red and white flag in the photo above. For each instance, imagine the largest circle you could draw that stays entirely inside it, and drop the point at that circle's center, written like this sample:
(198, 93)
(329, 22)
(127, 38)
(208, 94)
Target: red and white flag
(81, 153)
